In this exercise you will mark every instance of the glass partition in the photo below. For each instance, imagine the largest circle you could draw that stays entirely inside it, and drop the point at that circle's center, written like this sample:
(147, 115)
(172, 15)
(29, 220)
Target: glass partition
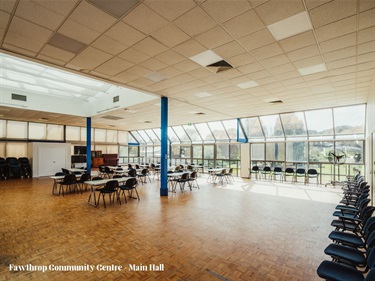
(294, 125)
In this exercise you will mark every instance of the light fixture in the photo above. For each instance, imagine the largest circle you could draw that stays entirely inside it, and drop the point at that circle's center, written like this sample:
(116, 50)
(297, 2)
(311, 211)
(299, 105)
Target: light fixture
(249, 84)
(203, 94)
(206, 58)
(290, 26)
(312, 69)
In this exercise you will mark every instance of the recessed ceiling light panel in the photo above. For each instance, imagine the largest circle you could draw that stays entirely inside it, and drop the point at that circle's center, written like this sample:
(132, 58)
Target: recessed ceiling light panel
(290, 26)
(249, 84)
(202, 94)
(206, 58)
(312, 69)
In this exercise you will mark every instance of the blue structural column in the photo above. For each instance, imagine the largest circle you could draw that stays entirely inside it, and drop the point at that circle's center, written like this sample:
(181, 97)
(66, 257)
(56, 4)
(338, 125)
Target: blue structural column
(164, 147)
(88, 144)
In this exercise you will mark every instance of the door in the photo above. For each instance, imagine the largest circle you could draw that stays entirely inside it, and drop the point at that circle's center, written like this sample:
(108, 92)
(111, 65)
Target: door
(51, 160)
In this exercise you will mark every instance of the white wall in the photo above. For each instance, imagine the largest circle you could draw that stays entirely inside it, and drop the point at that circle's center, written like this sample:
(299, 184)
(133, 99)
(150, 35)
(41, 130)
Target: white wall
(44, 164)
(245, 159)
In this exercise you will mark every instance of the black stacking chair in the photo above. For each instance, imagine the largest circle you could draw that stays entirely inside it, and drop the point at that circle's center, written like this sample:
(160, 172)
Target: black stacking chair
(277, 171)
(25, 167)
(132, 173)
(108, 172)
(129, 186)
(102, 171)
(266, 171)
(300, 173)
(84, 177)
(331, 270)
(4, 169)
(354, 225)
(110, 188)
(65, 171)
(254, 170)
(56, 182)
(143, 176)
(14, 167)
(193, 179)
(228, 175)
(311, 174)
(185, 179)
(69, 181)
(289, 172)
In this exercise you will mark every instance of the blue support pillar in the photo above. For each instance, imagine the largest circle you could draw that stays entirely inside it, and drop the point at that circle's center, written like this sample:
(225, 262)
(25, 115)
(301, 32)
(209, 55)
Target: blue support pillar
(88, 144)
(164, 147)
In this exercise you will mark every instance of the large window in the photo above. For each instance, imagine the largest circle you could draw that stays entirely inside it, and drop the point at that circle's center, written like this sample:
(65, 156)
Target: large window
(296, 152)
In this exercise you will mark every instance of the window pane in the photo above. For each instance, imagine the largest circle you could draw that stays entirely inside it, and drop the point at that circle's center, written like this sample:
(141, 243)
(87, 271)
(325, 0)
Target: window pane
(275, 151)
(157, 151)
(145, 136)
(208, 152)
(197, 151)
(2, 149)
(100, 135)
(352, 149)
(123, 151)
(131, 139)
(150, 151)
(55, 132)
(185, 152)
(152, 136)
(157, 132)
(16, 149)
(175, 151)
(294, 124)
(296, 151)
(3, 124)
(319, 123)
(218, 130)
(112, 149)
(137, 137)
(193, 133)
(111, 136)
(37, 131)
(319, 151)
(252, 128)
(73, 133)
(84, 133)
(272, 126)
(222, 151)
(235, 151)
(102, 148)
(16, 130)
(350, 120)
(133, 151)
(205, 132)
(142, 151)
(180, 132)
(231, 128)
(257, 151)
(172, 136)
(123, 137)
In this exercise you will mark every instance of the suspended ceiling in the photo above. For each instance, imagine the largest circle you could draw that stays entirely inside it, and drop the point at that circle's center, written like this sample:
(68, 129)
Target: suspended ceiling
(307, 54)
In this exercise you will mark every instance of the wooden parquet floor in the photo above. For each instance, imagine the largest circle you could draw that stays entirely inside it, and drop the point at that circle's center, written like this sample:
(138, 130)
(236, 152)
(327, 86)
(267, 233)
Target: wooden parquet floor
(247, 230)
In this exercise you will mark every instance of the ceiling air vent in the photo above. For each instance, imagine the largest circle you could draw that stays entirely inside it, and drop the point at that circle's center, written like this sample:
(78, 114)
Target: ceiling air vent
(116, 98)
(276, 101)
(111, 117)
(19, 97)
(220, 66)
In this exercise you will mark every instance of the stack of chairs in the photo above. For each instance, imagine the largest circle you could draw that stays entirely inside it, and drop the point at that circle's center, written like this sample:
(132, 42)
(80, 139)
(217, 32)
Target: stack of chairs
(353, 240)
(14, 167)
(25, 167)
(4, 169)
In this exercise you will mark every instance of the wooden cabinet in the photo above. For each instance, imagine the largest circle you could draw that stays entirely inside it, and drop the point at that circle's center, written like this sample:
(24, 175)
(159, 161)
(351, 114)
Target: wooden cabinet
(110, 159)
(97, 161)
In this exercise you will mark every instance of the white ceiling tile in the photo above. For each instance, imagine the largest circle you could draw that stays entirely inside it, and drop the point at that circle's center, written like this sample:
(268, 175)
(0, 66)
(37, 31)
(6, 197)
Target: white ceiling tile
(170, 35)
(282, 68)
(169, 57)
(133, 56)
(225, 10)
(337, 29)
(214, 37)
(78, 32)
(150, 47)
(186, 65)
(331, 12)
(8, 5)
(310, 4)
(298, 41)
(241, 60)
(144, 19)
(38, 14)
(366, 35)
(244, 24)
(229, 50)
(109, 45)
(114, 66)
(275, 61)
(91, 17)
(18, 49)
(338, 43)
(124, 77)
(250, 68)
(368, 57)
(90, 58)
(125, 34)
(27, 35)
(367, 19)
(257, 39)
(340, 54)
(303, 53)
(366, 47)
(195, 21)
(4, 19)
(57, 53)
(267, 51)
(60, 7)
(366, 5)
(153, 64)
(51, 60)
(139, 71)
(170, 9)
(190, 48)
(280, 10)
